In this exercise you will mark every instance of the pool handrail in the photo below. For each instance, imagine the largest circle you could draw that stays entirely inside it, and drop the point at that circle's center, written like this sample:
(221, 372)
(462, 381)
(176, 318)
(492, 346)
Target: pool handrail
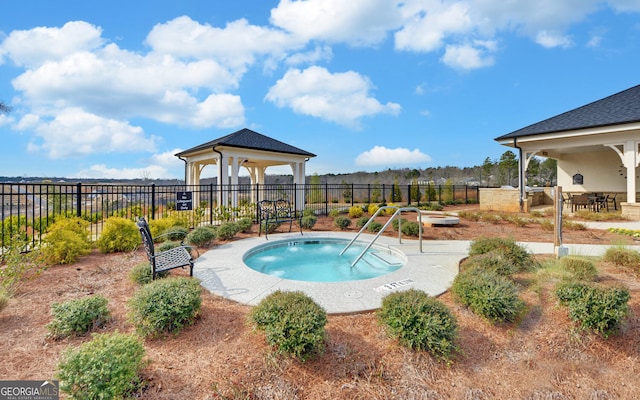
(396, 213)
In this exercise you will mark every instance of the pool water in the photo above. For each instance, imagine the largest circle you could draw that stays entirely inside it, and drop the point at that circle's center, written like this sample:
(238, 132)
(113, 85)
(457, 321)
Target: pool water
(320, 260)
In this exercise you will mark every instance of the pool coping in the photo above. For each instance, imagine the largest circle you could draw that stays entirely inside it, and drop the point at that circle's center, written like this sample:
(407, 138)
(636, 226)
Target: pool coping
(222, 272)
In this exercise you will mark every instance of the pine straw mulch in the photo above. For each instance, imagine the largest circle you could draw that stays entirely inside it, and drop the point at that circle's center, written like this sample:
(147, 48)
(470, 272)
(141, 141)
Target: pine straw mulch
(542, 356)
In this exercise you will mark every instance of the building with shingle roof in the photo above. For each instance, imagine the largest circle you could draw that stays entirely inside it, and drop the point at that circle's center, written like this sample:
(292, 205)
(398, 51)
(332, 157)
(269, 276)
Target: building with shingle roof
(598, 142)
(243, 149)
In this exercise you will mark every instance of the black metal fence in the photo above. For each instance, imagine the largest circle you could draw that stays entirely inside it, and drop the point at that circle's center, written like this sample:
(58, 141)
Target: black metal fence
(31, 207)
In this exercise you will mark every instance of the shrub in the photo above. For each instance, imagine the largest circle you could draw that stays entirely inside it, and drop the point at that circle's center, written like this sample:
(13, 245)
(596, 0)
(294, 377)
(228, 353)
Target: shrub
(228, 230)
(492, 261)
(118, 234)
(342, 222)
(508, 248)
(292, 322)
(490, 218)
(107, 367)
(372, 209)
(580, 268)
(375, 227)
(488, 294)
(162, 225)
(176, 233)
(362, 221)
(308, 221)
(245, 224)
(269, 227)
(202, 236)
(622, 257)
(355, 212)
(4, 298)
(141, 273)
(334, 212)
(77, 317)
(597, 308)
(420, 322)
(165, 306)
(411, 228)
(66, 240)
(573, 226)
(397, 223)
(164, 246)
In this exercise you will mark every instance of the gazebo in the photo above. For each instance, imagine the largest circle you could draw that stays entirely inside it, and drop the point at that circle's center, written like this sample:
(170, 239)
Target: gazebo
(244, 148)
(596, 146)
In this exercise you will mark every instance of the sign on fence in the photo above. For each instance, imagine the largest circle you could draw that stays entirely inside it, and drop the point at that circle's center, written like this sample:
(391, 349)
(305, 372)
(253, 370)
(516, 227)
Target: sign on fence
(184, 201)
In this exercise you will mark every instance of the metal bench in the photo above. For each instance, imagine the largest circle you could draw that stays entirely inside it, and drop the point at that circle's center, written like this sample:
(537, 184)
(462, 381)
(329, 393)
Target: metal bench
(276, 212)
(177, 257)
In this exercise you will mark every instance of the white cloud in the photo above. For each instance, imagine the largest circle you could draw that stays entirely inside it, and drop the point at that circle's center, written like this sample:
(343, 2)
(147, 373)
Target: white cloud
(469, 56)
(553, 39)
(34, 47)
(342, 98)
(428, 25)
(380, 155)
(356, 22)
(76, 133)
(102, 171)
(320, 53)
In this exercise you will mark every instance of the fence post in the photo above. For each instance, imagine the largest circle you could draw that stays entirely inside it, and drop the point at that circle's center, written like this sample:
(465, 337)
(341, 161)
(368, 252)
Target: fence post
(409, 194)
(353, 195)
(153, 201)
(78, 199)
(326, 198)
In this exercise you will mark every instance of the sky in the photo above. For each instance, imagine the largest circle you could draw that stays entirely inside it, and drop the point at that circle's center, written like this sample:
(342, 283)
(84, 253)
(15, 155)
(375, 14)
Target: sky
(115, 89)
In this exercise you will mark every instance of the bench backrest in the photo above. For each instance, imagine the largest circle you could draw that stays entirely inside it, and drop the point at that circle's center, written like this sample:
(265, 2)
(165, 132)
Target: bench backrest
(147, 239)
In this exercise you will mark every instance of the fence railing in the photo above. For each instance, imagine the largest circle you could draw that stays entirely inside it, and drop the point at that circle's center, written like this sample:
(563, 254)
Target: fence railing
(28, 208)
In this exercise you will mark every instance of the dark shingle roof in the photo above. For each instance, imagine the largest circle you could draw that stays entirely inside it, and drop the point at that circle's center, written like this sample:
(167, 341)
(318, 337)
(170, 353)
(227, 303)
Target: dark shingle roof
(248, 139)
(620, 108)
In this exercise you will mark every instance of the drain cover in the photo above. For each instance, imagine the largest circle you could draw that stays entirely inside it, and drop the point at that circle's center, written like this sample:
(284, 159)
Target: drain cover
(353, 294)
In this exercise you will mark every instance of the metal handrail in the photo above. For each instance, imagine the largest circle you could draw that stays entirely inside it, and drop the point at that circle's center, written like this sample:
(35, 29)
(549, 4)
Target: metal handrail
(397, 212)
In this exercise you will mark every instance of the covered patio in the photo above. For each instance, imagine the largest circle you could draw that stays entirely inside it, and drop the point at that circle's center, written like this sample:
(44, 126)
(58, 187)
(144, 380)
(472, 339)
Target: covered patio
(597, 147)
(248, 149)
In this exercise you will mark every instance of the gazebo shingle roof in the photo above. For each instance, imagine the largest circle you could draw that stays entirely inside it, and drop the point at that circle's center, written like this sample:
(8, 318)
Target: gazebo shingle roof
(619, 108)
(248, 139)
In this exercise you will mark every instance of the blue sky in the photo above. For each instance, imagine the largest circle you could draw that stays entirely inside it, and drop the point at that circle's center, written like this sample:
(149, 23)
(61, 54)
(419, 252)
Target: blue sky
(115, 89)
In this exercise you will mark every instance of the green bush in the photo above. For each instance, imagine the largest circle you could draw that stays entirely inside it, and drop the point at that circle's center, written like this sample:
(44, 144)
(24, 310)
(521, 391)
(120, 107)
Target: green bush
(228, 230)
(141, 273)
(78, 316)
(600, 309)
(355, 212)
(245, 224)
(308, 221)
(397, 222)
(66, 240)
(107, 367)
(164, 246)
(292, 322)
(508, 248)
(362, 221)
(411, 228)
(622, 257)
(269, 227)
(375, 227)
(334, 212)
(492, 261)
(162, 225)
(176, 233)
(4, 298)
(165, 306)
(202, 236)
(118, 234)
(372, 209)
(580, 268)
(420, 322)
(342, 222)
(488, 294)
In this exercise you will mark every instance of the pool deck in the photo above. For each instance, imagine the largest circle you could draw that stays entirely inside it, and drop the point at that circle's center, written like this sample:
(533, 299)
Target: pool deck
(222, 271)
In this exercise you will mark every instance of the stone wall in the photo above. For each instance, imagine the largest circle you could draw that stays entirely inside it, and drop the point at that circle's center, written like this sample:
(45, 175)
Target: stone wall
(508, 199)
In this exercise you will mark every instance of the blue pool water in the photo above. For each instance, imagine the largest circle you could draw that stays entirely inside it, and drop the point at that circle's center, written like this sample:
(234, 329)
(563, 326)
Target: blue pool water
(316, 260)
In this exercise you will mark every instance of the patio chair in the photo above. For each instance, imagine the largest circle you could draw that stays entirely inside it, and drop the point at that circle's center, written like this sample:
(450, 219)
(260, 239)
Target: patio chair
(612, 200)
(580, 201)
(177, 257)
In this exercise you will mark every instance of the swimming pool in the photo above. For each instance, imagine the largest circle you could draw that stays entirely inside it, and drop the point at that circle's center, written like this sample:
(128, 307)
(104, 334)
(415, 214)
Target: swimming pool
(318, 260)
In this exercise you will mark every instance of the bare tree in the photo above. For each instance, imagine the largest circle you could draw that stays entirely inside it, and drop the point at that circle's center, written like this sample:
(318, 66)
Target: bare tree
(4, 109)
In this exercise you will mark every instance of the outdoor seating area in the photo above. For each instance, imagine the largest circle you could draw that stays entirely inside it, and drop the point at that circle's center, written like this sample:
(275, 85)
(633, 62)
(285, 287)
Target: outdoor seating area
(274, 213)
(177, 257)
(595, 202)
